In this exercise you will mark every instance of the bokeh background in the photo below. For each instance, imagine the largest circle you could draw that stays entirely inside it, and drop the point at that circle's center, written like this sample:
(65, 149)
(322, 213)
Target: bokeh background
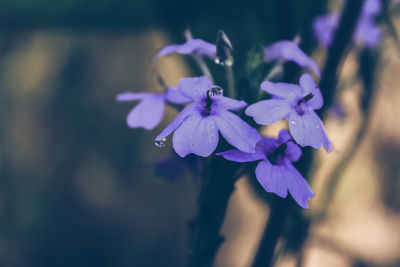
(79, 188)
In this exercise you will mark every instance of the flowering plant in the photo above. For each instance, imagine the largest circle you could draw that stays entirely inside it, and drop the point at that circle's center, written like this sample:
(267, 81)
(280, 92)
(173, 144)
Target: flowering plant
(224, 125)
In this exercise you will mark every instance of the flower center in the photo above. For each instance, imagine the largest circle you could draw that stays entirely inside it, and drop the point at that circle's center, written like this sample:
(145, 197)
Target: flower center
(207, 103)
(299, 105)
(206, 106)
(278, 154)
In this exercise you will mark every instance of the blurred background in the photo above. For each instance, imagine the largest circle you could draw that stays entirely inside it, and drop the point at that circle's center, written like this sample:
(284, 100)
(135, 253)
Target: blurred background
(79, 188)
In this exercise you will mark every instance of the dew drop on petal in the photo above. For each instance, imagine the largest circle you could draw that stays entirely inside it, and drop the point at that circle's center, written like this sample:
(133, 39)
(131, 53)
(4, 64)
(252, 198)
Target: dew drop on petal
(293, 122)
(160, 143)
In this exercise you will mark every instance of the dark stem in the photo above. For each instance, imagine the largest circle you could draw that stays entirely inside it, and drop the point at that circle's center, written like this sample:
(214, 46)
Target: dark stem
(336, 54)
(338, 50)
(272, 234)
(230, 81)
(217, 186)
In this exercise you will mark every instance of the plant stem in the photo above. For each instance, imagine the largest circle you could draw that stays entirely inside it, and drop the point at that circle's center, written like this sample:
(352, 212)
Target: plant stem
(203, 67)
(338, 50)
(272, 234)
(217, 186)
(230, 81)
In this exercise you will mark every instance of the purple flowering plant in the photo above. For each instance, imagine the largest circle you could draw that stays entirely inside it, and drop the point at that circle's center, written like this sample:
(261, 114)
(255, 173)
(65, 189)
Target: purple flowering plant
(208, 113)
(220, 122)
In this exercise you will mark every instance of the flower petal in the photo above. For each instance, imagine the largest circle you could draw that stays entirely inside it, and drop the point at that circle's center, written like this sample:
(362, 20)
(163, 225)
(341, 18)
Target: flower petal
(193, 46)
(269, 111)
(229, 103)
(236, 131)
(128, 96)
(308, 85)
(308, 130)
(324, 27)
(196, 135)
(195, 88)
(148, 113)
(268, 144)
(272, 179)
(372, 7)
(283, 90)
(239, 156)
(284, 136)
(367, 32)
(179, 119)
(173, 95)
(293, 152)
(290, 51)
(297, 185)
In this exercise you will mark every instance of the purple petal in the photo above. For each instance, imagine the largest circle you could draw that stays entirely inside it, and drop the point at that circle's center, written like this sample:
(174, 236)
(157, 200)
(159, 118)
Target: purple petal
(324, 27)
(239, 156)
(293, 152)
(372, 7)
(283, 90)
(272, 178)
(307, 130)
(175, 96)
(308, 85)
(269, 111)
(367, 32)
(229, 103)
(267, 144)
(193, 46)
(128, 96)
(196, 135)
(237, 132)
(195, 88)
(297, 185)
(316, 102)
(148, 113)
(284, 136)
(288, 50)
(179, 119)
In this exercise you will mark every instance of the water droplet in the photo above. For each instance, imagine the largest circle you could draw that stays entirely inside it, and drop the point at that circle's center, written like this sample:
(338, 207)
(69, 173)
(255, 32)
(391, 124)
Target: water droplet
(223, 50)
(215, 91)
(160, 143)
(227, 62)
(293, 122)
(317, 126)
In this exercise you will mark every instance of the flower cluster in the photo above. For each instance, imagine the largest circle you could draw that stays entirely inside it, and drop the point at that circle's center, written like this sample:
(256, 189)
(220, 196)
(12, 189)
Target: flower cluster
(366, 32)
(205, 114)
(275, 171)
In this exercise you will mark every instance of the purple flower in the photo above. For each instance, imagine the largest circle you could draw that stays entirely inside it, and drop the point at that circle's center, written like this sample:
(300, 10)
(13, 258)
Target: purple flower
(193, 46)
(366, 32)
(196, 126)
(324, 27)
(296, 104)
(290, 51)
(275, 171)
(150, 110)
